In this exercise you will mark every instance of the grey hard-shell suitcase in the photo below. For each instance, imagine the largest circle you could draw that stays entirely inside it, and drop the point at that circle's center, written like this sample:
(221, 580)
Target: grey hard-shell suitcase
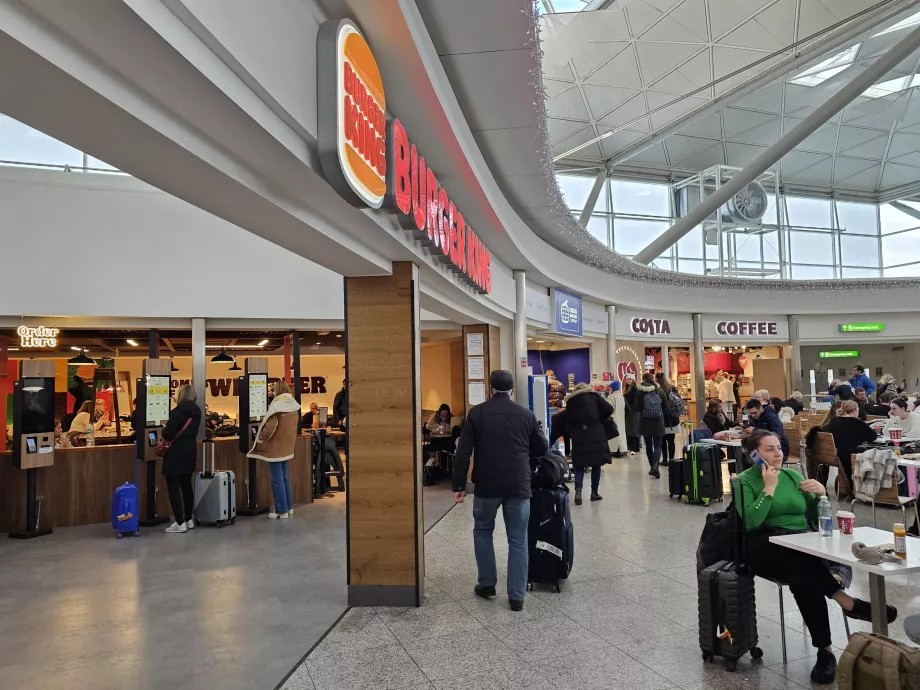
(727, 610)
(215, 492)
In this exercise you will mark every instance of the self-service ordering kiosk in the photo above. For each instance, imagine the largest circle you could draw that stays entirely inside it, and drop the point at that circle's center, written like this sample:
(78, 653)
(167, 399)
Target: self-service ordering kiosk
(33, 435)
(253, 399)
(153, 396)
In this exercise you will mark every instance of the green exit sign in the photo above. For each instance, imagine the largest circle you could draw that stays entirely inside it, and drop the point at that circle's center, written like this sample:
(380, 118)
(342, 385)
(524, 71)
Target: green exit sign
(861, 327)
(838, 354)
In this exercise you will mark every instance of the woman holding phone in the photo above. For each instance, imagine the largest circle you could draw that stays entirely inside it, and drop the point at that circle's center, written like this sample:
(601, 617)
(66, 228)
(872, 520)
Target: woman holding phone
(777, 500)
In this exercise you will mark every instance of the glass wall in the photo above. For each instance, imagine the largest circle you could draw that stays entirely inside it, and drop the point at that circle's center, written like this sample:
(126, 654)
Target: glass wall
(809, 237)
(22, 146)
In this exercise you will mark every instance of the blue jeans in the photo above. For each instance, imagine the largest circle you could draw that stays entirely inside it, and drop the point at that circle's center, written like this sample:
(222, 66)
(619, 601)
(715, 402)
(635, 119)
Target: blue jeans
(281, 486)
(595, 478)
(653, 450)
(516, 512)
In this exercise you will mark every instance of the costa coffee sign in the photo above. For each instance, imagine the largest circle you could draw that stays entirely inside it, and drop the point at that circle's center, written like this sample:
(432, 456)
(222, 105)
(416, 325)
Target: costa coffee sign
(650, 326)
(753, 328)
(368, 158)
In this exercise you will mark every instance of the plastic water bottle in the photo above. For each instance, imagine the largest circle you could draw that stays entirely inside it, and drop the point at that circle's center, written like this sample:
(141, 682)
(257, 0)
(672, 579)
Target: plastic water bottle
(90, 435)
(825, 520)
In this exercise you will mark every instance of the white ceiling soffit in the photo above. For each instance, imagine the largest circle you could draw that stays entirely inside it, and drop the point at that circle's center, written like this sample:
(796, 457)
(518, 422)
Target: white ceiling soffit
(498, 81)
(623, 68)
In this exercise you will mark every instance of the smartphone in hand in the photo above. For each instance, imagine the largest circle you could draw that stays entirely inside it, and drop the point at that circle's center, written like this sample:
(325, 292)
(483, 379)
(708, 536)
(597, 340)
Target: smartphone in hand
(758, 459)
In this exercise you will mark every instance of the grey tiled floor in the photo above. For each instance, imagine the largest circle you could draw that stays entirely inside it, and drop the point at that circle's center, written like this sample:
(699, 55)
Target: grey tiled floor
(626, 618)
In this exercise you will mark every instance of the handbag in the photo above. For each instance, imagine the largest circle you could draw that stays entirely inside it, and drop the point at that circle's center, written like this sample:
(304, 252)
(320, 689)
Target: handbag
(610, 428)
(163, 445)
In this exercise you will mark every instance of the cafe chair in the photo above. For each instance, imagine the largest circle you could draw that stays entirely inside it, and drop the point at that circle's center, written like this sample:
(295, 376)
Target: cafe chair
(824, 454)
(886, 496)
(794, 436)
(782, 613)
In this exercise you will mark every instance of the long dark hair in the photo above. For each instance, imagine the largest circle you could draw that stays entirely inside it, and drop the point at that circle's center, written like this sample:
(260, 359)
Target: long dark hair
(663, 382)
(444, 406)
(752, 442)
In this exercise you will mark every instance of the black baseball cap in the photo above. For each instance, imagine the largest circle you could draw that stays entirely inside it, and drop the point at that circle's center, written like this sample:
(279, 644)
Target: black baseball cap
(501, 380)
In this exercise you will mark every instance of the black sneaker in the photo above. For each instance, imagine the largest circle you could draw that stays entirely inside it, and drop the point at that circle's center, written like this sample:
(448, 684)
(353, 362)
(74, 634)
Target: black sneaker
(825, 669)
(862, 611)
(578, 497)
(484, 592)
(656, 474)
(664, 463)
(596, 497)
(516, 605)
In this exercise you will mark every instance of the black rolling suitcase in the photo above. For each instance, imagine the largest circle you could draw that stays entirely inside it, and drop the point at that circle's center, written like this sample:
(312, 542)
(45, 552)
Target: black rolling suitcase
(727, 610)
(702, 473)
(676, 478)
(550, 538)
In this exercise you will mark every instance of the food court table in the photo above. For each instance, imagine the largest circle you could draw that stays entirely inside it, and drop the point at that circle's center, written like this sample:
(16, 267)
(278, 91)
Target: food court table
(837, 548)
(736, 454)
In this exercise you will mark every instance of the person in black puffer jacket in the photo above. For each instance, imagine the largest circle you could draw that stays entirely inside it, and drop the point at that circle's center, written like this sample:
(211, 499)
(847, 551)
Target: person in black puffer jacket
(652, 423)
(582, 421)
(181, 431)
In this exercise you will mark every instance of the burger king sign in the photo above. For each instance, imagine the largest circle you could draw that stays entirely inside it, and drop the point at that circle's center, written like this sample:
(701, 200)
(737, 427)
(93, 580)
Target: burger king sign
(368, 158)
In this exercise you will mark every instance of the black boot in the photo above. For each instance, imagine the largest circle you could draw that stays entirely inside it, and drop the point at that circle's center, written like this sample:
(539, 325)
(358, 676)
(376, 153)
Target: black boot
(516, 605)
(825, 669)
(578, 497)
(596, 496)
(484, 592)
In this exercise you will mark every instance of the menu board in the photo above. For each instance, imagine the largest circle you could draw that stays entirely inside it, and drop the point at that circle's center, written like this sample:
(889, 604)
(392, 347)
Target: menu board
(157, 400)
(258, 395)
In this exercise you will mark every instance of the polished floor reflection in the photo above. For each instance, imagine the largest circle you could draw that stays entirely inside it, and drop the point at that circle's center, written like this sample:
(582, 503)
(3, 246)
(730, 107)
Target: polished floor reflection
(626, 619)
(232, 608)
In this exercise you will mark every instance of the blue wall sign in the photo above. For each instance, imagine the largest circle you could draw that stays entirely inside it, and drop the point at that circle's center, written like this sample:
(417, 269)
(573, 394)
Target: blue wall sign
(567, 307)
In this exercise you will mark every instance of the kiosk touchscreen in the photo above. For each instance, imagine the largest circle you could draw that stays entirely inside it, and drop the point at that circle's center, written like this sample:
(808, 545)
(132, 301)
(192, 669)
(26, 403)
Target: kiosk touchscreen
(253, 399)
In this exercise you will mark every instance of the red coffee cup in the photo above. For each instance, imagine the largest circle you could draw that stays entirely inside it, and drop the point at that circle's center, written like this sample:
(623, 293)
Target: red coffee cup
(894, 434)
(846, 521)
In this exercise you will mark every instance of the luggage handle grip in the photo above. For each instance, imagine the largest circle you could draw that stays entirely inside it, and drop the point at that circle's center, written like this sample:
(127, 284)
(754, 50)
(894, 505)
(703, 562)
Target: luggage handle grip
(206, 445)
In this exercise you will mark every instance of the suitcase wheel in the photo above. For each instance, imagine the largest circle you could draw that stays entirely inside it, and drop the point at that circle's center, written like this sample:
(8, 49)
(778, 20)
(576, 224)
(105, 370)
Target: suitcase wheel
(118, 535)
(137, 533)
(756, 653)
(556, 588)
(708, 657)
(530, 586)
(731, 665)
(233, 521)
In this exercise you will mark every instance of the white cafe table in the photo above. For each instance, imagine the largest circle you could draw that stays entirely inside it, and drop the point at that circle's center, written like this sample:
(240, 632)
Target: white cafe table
(838, 547)
(735, 454)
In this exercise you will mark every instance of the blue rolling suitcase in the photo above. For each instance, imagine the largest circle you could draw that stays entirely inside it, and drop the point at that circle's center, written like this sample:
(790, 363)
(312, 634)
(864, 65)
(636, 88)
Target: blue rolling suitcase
(125, 510)
(550, 537)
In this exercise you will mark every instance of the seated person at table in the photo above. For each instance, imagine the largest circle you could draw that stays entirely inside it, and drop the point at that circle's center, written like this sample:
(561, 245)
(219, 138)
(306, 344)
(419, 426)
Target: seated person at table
(795, 402)
(311, 418)
(714, 419)
(849, 433)
(883, 409)
(442, 434)
(763, 417)
(82, 420)
(776, 501)
(862, 400)
(908, 422)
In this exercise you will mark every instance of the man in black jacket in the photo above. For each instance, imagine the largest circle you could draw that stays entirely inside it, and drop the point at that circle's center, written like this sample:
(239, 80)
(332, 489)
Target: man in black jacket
(340, 405)
(504, 436)
(763, 417)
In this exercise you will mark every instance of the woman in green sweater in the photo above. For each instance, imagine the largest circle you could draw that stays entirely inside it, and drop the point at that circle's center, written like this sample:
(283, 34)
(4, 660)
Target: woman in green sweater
(778, 500)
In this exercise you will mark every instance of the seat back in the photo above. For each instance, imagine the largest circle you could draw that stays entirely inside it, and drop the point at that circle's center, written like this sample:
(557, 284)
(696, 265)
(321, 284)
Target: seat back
(825, 451)
(794, 436)
(874, 417)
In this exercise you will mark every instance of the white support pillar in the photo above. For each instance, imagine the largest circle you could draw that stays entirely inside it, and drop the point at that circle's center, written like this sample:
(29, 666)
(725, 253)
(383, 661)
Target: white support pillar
(520, 337)
(199, 364)
(612, 341)
(665, 365)
(593, 196)
(699, 374)
(796, 358)
(827, 110)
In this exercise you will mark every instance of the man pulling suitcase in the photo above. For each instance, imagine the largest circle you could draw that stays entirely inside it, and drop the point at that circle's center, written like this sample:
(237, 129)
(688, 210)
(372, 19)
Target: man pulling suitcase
(504, 436)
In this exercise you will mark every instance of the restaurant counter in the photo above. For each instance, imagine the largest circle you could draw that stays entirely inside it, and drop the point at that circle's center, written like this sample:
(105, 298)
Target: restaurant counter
(77, 490)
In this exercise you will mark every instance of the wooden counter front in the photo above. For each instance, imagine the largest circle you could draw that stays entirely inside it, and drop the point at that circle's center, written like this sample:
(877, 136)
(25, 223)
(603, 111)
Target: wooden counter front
(77, 490)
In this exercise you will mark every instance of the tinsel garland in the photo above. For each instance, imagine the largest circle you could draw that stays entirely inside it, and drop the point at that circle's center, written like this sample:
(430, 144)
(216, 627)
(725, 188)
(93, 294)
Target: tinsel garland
(571, 238)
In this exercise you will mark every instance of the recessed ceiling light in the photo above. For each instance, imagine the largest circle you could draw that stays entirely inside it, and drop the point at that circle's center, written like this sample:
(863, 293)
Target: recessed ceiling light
(319, 343)
(263, 343)
(338, 335)
(541, 341)
(78, 349)
(132, 343)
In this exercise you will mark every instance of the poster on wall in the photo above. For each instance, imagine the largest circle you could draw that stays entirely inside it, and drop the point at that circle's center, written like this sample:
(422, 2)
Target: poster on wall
(476, 393)
(258, 396)
(476, 368)
(157, 400)
(474, 344)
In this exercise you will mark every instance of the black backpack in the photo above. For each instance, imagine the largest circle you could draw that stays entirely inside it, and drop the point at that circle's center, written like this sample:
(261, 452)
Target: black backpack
(548, 471)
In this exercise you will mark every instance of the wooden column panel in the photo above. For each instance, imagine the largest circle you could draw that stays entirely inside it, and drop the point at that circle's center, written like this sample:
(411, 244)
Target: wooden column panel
(384, 490)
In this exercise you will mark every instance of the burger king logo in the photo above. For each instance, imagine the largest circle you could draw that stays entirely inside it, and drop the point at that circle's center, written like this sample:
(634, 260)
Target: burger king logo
(368, 158)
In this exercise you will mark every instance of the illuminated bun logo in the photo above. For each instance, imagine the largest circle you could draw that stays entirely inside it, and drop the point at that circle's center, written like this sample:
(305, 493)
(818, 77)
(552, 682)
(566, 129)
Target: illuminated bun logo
(355, 105)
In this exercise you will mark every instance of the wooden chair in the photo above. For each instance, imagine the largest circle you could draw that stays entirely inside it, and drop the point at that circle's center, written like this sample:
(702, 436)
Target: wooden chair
(825, 453)
(875, 418)
(887, 496)
(794, 436)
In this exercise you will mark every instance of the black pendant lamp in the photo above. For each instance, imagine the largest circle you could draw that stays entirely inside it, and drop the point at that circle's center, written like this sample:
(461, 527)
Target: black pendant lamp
(173, 366)
(222, 357)
(235, 367)
(82, 359)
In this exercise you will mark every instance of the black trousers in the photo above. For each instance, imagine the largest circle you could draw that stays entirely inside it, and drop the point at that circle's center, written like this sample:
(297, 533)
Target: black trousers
(667, 448)
(634, 443)
(181, 496)
(807, 576)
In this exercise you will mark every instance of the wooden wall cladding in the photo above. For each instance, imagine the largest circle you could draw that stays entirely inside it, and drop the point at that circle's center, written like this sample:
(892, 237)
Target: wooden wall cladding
(384, 438)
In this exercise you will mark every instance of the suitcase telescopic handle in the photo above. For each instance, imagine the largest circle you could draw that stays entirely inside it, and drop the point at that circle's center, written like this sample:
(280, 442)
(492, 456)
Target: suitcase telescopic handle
(208, 448)
(740, 535)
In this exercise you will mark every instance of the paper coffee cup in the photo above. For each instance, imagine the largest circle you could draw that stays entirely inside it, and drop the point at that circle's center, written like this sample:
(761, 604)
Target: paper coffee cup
(846, 521)
(894, 434)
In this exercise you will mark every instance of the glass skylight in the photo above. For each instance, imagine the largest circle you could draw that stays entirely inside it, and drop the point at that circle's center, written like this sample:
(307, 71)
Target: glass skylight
(826, 69)
(560, 6)
(912, 20)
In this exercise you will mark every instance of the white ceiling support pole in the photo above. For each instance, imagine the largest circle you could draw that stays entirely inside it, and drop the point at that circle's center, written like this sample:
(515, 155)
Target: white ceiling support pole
(833, 105)
(904, 208)
(593, 197)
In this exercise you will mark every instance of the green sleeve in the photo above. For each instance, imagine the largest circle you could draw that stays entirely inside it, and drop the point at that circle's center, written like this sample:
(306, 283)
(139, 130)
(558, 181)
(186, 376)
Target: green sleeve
(811, 500)
(756, 506)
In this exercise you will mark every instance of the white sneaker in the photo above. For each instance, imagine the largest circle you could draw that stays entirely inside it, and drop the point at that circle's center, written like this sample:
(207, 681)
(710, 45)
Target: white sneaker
(284, 516)
(176, 528)
(291, 513)
(190, 524)
(273, 515)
